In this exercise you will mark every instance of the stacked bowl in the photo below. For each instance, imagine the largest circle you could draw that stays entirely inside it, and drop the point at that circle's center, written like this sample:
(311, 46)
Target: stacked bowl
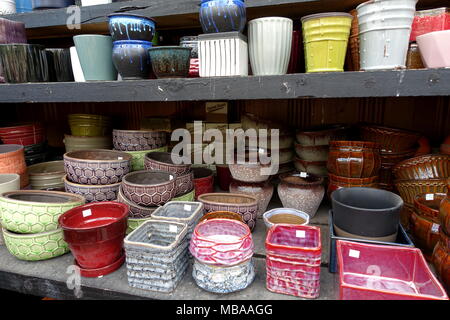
(47, 176)
(12, 160)
(95, 174)
(88, 131)
(132, 35)
(8, 182)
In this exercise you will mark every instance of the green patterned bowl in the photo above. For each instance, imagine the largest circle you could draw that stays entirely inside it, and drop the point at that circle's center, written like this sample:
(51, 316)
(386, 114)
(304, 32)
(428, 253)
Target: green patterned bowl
(133, 224)
(137, 162)
(35, 247)
(189, 196)
(35, 211)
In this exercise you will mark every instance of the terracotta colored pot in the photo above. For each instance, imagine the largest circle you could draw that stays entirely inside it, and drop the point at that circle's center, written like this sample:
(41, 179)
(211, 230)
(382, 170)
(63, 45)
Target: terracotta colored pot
(301, 193)
(430, 166)
(425, 234)
(390, 139)
(354, 159)
(95, 233)
(427, 205)
(337, 182)
(203, 181)
(163, 161)
(263, 191)
(246, 206)
(12, 160)
(408, 189)
(224, 177)
(24, 135)
(312, 153)
(138, 140)
(441, 262)
(444, 212)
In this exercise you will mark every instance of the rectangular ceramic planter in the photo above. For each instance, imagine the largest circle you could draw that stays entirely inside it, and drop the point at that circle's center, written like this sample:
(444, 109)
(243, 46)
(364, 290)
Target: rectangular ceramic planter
(223, 54)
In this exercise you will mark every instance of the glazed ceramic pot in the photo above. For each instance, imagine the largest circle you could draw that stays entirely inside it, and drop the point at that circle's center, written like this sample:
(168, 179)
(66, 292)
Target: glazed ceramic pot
(59, 65)
(222, 15)
(441, 260)
(190, 42)
(134, 223)
(149, 188)
(7, 7)
(263, 191)
(312, 153)
(408, 189)
(170, 61)
(285, 216)
(252, 121)
(366, 212)
(444, 212)
(95, 233)
(245, 205)
(136, 211)
(138, 140)
(9, 182)
(434, 47)
(303, 192)
(249, 172)
(425, 233)
(318, 168)
(203, 181)
(76, 65)
(126, 26)
(33, 211)
(337, 182)
(33, 149)
(51, 4)
(431, 166)
(25, 135)
(270, 57)
(47, 175)
(76, 143)
(224, 177)
(222, 215)
(93, 193)
(184, 183)
(24, 6)
(12, 31)
(427, 205)
(131, 59)
(163, 161)
(426, 21)
(94, 167)
(390, 139)
(23, 63)
(188, 196)
(320, 136)
(12, 160)
(95, 55)
(354, 159)
(137, 162)
(35, 159)
(37, 246)
(89, 125)
(405, 215)
(325, 37)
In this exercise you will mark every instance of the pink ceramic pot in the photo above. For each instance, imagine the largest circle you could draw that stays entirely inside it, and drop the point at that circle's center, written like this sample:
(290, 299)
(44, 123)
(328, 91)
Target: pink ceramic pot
(434, 48)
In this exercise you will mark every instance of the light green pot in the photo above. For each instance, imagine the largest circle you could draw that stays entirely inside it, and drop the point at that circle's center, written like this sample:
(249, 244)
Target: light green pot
(186, 197)
(133, 224)
(35, 247)
(137, 162)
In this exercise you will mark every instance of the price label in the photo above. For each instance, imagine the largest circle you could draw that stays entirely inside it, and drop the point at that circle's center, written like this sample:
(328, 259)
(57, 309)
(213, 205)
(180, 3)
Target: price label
(300, 233)
(187, 207)
(354, 253)
(87, 213)
(303, 174)
(170, 177)
(173, 228)
(435, 228)
(120, 158)
(429, 196)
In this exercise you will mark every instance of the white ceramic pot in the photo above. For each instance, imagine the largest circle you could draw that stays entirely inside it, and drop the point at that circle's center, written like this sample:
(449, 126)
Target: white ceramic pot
(76, 66)
(384, 30)
(285, 216)
(435, 49)
(7, 7)
(270, 42)
(86, 3)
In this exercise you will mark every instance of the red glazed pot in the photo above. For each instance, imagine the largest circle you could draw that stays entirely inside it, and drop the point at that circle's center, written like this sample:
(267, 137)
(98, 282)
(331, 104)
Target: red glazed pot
(224, 177)
(203, 181)
(23, 134)
(95, 233)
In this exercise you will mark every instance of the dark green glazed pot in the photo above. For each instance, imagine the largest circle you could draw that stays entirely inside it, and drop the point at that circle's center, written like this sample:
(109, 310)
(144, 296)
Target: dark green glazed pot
(23, 63)
(59, 65)
(170, 61)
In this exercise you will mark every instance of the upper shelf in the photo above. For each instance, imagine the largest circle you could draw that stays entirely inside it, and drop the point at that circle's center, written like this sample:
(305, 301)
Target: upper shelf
(405, 83)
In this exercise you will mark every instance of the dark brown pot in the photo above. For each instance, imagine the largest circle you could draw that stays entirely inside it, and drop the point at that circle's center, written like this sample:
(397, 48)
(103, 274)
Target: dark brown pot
(427, 205)
(425, 234)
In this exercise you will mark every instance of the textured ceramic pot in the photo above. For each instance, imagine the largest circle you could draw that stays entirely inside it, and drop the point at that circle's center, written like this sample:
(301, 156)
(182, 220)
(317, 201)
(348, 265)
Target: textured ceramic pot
(131, 59)
(203, 181)
(7, 7)
(136, 211)
(431, 166)
(36, 247)
(59, 65)
(337, 182)
(51, 4)
(426, 21)
(441, 260)
(138, 140)
(35, 211)
(75, 143)
(34, 149)
(163, 161)
(95, 55)
(134, 223)
(47, 175)
(184, 183)
(245, 205)
(95, 233)
(270, 57)
(425, 233)
(222, 15)
(170, 61)
(390, 139)
(23, 63)
(149, 188)
(318, 168)
(408, 189)
(94, 167)
(434, 48)
(137, 162)
(285, 216)
(76, 66)
(12, 32)
(93, 193)
(249, 172)
(224, 177)
(263, 191)
(312, 153)
(354, 159)
(325, 37)
(25, 135)
(12, 160)
(126, 26)
(303, 192)
(444, 212)
(427, 205)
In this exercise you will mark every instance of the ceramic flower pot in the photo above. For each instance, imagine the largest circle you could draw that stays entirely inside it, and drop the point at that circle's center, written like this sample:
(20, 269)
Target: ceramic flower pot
(184, 183)
(203, 181)
(134, 223)
(190, 42)
(188, 196)
(312, 153)
(59, 65)
(426, 21)
(224, 177)
(321, 136)
(431, 166)
(51, 4)
(93, 193)
(137, 162)
(76, 143)
(325, 36)
(444, 212)
(427, 205)
(170, 61)
(408, 189)
(391, 139)
(126, 26)
(163, 161)
(222, 15)
(270, 57)
(131, 59)
(413, 58)
(318, 168)
(12, 31)
(12, 160)
(425, 233)
(285, 216)
(434, 48)
(441, 260)
(24, 134)
(95, 233)
(9, 182)
(47, 175)
(222, 215)
(263, 191)
(301, 193)
(136, 211)
(138, 140)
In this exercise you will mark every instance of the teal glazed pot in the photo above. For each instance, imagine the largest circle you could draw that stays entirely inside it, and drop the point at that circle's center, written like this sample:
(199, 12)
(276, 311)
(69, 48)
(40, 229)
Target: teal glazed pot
(23, 63)
(95, 54)
(170, 61)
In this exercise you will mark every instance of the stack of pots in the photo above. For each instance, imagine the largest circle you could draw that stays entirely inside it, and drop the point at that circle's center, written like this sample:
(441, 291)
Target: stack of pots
(353, 164)
(223, 250)
(89, 131)
(12, 160)
(31, 136)
(293, 257)
(8, 182)
(95, 174)
(30, 222)
(132, 35)
(47, 176)
(138, 143)
(95, 233)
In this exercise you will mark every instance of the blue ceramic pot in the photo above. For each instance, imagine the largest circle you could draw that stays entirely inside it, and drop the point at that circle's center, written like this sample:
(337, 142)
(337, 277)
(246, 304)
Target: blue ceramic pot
(51, 4)
(125, 26)
(170, 61)
(131, 59)
(24, 6)
(222, 15)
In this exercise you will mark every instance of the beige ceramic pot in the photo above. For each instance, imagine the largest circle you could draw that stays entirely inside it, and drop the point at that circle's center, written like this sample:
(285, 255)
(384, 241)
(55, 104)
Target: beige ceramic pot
(47, 175)
(74, 143)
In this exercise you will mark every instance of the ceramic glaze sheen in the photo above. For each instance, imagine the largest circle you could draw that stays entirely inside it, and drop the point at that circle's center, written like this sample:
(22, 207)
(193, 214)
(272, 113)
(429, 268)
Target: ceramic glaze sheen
(131, 27)
(131, 59)
(434, 48)
(222, 15)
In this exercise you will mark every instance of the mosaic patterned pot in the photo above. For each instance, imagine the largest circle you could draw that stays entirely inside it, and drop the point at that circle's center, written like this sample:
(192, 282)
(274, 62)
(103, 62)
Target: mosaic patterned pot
(163, 161)
(137, 162)
(93, 193)
(184, 183)
(138, 140)
(136, 211)
(262, 191)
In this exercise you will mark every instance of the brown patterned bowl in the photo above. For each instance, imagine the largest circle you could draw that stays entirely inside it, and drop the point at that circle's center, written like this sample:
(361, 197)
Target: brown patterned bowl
(138, 140)
(430, 166)
(427, 205)
(408, 189)
(425, 234)
(245, 205)
(184, 183)
(222, 215)
(163, 161)
(149, 188)
(392, 158)
(405, 216)
(93, 193)
(390, 139)
(337, 182)
(354, 159)
(136, 211)
(96, 166)
(444, 211)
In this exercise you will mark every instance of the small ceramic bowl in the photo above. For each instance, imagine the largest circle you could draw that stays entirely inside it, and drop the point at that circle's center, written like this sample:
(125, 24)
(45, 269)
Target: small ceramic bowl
(390, 139)
(285, 216)
(427, 205)
(170, 61)
(93, 193)
(163, 161)
(138, 140)
(408, 189)
(136, 211)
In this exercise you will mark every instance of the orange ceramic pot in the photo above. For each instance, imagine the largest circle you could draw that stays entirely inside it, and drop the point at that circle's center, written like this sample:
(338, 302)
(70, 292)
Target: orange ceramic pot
(425, 234)
(337, 182)
(405, 216)
(427, 205)
(441, 262)
(408, 189)
(444, 212)
(12, 160)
